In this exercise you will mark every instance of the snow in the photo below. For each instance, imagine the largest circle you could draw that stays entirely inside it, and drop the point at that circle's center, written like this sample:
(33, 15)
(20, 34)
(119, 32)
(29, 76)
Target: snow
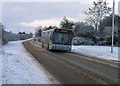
(103, 52)
(19, 67)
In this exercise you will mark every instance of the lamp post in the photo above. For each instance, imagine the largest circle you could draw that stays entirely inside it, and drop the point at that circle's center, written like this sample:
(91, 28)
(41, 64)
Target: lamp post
(18, 33)
(113, 26)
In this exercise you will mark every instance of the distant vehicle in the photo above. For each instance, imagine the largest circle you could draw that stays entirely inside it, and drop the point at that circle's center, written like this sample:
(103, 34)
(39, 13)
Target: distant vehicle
(57, 39)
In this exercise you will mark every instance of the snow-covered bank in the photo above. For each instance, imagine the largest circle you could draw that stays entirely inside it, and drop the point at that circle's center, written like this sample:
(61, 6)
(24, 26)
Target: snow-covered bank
(19, 67)
(97, 51)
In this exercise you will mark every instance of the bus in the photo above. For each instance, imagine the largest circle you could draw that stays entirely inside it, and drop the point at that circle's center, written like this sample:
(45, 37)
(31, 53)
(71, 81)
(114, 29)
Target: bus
(57, 39)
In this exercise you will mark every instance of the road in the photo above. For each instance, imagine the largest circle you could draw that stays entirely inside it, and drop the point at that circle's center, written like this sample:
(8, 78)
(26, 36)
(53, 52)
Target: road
(71, 68)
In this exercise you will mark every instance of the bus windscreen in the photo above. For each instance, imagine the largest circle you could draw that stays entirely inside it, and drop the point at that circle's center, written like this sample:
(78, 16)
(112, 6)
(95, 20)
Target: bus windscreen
(62, 38)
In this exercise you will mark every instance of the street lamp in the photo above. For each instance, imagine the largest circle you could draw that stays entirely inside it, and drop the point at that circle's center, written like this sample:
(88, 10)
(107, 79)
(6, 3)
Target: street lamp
(113, 25)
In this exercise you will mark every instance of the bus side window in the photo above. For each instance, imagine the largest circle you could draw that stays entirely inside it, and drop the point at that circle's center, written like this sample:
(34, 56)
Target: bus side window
(43, 32)
(51, 35)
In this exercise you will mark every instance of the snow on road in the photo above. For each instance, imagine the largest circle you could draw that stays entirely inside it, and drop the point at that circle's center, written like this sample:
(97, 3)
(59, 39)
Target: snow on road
(19, 67)
(102, 52)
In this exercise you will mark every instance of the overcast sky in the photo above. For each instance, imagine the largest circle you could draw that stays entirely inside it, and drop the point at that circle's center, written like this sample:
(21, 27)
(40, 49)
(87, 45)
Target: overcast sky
(27, 15)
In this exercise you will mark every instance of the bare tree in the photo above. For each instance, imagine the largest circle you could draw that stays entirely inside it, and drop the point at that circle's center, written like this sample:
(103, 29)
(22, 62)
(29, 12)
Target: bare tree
(98, 11)
(38, 31)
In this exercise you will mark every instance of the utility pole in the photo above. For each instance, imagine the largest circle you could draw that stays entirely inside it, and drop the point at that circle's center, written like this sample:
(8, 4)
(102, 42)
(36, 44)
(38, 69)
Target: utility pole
(119, 8)
(18, 33)
(113, 26)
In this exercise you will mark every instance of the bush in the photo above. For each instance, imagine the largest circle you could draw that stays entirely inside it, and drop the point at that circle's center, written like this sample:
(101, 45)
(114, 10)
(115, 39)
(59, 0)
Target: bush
(82, 41)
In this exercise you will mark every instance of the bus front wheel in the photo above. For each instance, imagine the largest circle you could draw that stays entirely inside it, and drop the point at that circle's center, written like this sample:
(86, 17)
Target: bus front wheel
(42, 45)
(48, 47)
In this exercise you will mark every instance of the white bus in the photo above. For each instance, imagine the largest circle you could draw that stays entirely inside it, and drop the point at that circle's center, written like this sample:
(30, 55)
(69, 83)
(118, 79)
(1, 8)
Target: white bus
(57, 39)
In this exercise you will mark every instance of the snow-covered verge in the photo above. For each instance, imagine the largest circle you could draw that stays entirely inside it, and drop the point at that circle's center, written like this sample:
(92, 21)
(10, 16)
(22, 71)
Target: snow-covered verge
(19, 67)
(103, 52)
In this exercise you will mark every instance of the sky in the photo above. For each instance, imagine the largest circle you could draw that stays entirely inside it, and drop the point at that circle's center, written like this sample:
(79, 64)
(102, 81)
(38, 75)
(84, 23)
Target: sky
(119, 8)
(26, 15)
